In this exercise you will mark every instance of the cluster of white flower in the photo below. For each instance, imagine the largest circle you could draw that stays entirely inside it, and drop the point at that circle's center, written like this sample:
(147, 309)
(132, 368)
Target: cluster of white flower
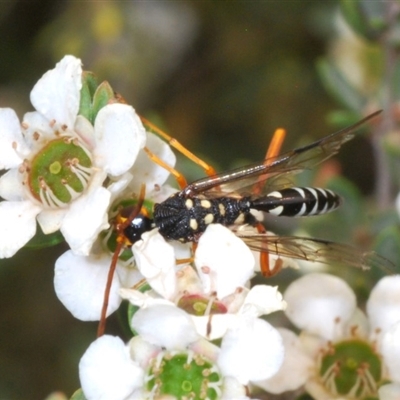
(66, 173)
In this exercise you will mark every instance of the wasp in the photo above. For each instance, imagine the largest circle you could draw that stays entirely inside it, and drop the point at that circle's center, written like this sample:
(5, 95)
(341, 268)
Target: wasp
(229, 199)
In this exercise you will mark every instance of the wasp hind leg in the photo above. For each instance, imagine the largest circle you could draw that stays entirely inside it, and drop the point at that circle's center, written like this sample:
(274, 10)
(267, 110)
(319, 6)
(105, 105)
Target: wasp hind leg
(273, 151)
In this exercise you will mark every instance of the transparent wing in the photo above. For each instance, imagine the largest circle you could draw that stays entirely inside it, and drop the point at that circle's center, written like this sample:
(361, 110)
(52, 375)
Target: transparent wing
(277, 169)
(317, 250)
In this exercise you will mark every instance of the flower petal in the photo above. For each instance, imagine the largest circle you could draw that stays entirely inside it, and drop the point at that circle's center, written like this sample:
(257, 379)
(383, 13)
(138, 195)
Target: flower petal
(147, 171)
(165, 326)
(18, 225)
(106, 370)
(391, 351)
(85, 219)
(11, 187)
(50, 220)
(155, 259)
(253, 350)
(215, 327)
(295, 370)
(383, 305)
(119, 137)
(320, 304)
(12, 143)
(390, 391)
(37, 130)
(223, 261)
(57, 93)
(262, 300)
(79, 283)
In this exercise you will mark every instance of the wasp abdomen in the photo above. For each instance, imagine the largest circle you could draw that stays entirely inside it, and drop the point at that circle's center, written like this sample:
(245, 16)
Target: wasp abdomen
(297, 202)
(186, 218)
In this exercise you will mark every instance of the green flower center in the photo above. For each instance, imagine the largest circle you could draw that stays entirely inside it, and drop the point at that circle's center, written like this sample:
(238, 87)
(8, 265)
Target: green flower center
(352, 369)
(198, 305)
(59, 172)
(184, 376)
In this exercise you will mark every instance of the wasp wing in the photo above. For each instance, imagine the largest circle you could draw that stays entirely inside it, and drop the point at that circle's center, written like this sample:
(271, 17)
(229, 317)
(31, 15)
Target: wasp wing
(317, 250)
(275, 169)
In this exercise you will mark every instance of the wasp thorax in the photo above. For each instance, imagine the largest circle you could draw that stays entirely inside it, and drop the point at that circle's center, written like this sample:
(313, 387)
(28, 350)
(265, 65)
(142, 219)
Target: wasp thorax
(59, 172)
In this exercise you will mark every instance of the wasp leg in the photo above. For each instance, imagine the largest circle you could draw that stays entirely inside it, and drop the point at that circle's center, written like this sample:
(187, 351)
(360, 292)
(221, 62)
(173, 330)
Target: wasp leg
(121, 242)
(273, 151)
(178, 146)
(177, 175)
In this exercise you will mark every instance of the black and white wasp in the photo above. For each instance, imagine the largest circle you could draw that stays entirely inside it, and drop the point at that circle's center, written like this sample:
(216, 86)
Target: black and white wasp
(227, 198)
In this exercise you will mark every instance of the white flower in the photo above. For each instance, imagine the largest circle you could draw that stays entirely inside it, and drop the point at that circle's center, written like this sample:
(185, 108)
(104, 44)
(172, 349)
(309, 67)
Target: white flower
(80, 281)
(337, 340)
(57, 162)
(224, 265)
(167, 337)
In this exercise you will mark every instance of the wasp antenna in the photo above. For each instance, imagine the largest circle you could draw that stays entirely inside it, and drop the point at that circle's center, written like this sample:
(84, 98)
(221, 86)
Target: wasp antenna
(120, 244)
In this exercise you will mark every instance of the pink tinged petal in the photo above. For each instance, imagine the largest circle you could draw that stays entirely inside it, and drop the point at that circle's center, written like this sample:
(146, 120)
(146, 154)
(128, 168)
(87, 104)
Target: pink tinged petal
(251, 351)
(205, 348)
(262, 300)
(295, 370)
(390, 348)
(85, 219)
(188, 281)
(50, 220)
(215, 327)
(142, 352)
(383, 305)
(321, 304)
(165, 326)
(106, 370)
(128, 275)
(155, 259)
(79, 283)
(233, 390)
(11, 187)
(143, 300)
(146, 171)
(18, 225)
(12, 143)
(223, 261)
(391, 391)
(37, 130)
(57, 93)
(85, 130)
(119, 137)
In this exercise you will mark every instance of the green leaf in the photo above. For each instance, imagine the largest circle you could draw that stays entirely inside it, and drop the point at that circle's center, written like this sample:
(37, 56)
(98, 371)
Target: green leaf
(365, 17)
(89, 86)
(337, 85)
(40, 240)
(103, 95)
(387, 244)
(78, 395)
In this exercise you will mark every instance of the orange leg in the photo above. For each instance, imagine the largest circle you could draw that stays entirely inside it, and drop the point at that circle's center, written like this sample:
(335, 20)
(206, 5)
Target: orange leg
(121, 242)
(272, 152)
(178, 146)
